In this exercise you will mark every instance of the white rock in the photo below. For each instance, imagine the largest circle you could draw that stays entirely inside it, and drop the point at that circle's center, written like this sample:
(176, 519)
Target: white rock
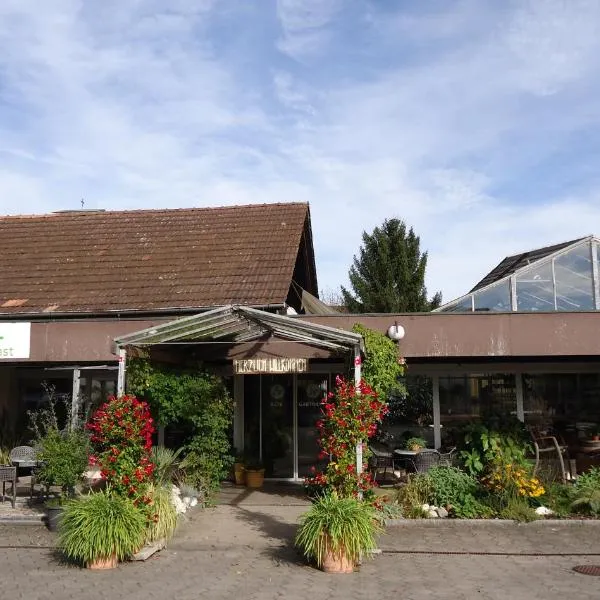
(194, 501)
(187, 501)
(425, 507)
(543, 511)
(432, 514)
(442, 512)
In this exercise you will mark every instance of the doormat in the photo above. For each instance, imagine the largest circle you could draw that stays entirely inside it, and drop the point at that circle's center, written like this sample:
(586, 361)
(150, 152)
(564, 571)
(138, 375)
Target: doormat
(587, 569)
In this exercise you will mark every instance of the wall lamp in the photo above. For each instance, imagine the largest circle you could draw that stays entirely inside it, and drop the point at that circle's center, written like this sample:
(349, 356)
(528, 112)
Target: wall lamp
(395, 332)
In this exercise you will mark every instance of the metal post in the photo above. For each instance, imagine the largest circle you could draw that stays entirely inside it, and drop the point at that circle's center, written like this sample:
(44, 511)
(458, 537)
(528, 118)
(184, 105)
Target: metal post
(121, 374)
(519, 394)
(437, 422)
(357, 376)
(75, 397)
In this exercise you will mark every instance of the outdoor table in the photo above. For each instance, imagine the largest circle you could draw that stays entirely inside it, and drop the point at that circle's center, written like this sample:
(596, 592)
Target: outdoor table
(405, 457)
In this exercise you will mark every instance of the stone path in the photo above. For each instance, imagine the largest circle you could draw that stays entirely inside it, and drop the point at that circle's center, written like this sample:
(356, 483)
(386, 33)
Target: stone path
(242, 549)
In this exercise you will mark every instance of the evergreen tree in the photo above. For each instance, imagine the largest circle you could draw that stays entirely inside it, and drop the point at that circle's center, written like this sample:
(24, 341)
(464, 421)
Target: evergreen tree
(388, 275)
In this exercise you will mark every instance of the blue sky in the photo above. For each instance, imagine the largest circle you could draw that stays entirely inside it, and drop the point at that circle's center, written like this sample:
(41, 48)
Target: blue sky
(475, 121)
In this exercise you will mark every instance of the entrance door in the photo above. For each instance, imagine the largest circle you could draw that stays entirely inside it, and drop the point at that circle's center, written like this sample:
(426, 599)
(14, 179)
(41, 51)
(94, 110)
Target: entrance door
(278, 425)
(311, 390)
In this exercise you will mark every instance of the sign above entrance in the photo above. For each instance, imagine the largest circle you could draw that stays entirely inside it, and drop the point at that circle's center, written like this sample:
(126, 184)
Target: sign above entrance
(254, 366)
(14, 340)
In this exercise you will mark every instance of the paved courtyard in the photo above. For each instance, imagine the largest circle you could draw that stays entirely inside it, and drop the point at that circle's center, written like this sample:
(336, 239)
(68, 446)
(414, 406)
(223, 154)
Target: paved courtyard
(242, 550)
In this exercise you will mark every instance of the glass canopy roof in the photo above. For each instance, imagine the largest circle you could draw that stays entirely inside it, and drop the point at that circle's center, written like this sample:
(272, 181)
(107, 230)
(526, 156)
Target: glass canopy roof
(557, 278)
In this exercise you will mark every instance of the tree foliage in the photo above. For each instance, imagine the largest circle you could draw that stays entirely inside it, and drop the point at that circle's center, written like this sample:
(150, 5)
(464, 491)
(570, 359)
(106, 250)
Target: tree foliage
(388, 275)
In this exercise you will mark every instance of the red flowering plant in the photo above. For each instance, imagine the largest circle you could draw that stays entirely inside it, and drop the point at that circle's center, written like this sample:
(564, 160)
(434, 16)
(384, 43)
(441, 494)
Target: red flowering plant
(350, 415)
(121, 435)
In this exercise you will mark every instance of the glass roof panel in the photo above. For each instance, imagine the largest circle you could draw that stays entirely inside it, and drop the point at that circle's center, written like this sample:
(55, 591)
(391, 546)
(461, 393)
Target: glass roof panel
(535, 288)
(496, 298)
(573, 273)
(464, 305)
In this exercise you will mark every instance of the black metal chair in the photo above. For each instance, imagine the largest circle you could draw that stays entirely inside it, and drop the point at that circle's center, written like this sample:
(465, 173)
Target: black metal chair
(381, 458)
(9, 474)
(448, 457)
(425, 459)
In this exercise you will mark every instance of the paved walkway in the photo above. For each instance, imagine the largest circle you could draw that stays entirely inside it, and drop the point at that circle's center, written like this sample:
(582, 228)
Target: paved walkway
(242, 549)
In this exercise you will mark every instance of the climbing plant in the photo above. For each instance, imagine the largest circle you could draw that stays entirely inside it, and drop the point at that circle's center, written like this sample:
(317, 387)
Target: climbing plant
(382, 367)
(200, 403)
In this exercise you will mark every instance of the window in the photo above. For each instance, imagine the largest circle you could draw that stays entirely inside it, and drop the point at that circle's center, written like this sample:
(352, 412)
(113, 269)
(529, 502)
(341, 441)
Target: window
(573, 273)
(495, 298)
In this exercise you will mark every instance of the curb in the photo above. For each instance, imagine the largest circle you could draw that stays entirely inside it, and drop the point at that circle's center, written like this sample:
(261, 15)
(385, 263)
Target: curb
(22, 520)
(493, 522)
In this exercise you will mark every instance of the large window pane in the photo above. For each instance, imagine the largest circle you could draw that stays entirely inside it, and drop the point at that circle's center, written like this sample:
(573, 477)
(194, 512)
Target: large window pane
(573, 272)
(535, 289)
(468, 398)
(495, 298)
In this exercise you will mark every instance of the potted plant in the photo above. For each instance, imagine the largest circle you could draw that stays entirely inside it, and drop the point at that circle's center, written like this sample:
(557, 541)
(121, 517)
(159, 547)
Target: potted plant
(239, 471)
(336, 532)
(101, 529)
(416, 444)
(255, 474)
(62, 458)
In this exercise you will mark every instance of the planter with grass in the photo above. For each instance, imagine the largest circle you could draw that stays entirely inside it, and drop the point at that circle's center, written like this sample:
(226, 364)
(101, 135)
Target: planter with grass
(101, 529)
(415, 444)
(337, 532)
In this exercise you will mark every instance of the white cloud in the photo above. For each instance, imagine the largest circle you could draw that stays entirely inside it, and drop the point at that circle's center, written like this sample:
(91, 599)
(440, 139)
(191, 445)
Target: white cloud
(475, 122)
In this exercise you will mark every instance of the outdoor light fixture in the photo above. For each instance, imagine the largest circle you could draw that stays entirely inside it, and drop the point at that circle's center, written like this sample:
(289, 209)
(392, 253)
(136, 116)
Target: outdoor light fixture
(395, 332)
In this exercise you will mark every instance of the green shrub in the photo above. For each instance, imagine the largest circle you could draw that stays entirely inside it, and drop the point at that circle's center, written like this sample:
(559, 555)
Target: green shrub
(99, 526)
(64, 458)
(559, 498)
(414, 494)
(586, 493)
(415, 443)
(518, 509)
(164, 516)
(456, 491)
(347, 524)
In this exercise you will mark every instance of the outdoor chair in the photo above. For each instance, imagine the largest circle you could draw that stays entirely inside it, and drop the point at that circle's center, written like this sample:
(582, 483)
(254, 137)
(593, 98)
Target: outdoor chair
(382, 458)
(25, 457)
(448, 457)
(425, 459)
(9, 474)
(548, 446)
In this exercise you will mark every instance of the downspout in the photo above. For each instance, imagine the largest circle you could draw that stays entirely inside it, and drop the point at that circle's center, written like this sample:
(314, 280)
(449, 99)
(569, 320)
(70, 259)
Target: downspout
(121, 373)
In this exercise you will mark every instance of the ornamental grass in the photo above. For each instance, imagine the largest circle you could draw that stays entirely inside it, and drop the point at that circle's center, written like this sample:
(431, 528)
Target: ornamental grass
(99, 526)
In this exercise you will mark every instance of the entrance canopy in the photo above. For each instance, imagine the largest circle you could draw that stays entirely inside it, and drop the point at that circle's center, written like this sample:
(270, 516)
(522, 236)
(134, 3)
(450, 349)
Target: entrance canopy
(238, 324)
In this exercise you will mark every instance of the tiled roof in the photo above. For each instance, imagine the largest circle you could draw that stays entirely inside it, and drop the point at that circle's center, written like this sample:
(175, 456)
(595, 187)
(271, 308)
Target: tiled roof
(510, 264)
(149, 260)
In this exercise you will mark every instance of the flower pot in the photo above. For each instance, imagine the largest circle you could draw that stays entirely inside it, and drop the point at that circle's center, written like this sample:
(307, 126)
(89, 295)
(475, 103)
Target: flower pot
(108, 562)
(53, 517)
(336, 562)
(239, 474)
(255, 478)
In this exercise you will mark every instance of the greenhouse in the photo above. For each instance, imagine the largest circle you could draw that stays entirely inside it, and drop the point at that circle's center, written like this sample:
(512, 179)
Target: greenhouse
(563, 277)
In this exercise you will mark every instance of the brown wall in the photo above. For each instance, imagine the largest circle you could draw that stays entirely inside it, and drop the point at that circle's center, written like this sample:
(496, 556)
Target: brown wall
(447, 335)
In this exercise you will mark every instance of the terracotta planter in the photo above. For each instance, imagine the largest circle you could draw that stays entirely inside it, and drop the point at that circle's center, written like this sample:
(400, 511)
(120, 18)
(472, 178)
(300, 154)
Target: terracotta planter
(337, 562)
(239, 473)
(255, 478)
(109, 562)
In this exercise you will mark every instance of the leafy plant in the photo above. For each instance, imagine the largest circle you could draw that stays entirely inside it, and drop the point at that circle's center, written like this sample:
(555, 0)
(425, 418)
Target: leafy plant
(63, 457)
(415, 443)
(199, 403)
(342, 525)
(166, 463)
(101, 525)
(586, 494)
(559, 498)
(61, 448)
(164, 516)
(455, 490)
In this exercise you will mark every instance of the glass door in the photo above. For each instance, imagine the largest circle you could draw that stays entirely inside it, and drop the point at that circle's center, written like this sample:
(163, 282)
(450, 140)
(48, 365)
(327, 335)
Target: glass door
(278, 425)
(311, 388)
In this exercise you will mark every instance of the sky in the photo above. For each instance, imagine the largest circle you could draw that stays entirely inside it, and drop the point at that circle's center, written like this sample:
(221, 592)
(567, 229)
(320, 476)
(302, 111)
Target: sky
(477, 122)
